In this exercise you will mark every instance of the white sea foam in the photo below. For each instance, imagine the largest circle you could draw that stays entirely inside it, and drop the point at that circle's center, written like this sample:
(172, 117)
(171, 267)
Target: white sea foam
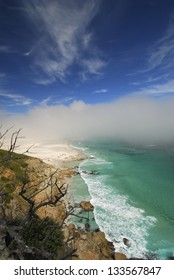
(116, 217)
(79, 148)
(96, 161)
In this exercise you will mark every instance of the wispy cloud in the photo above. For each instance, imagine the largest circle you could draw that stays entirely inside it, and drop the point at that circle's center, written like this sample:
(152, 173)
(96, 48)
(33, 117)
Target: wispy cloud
(161, 53)
(65, 37)
(157, 90)
(103, 90)
(5, 49)
(45, 101)
(157, 79)
(93, 66)
(64, 100)
(15, 99)
(52, 100)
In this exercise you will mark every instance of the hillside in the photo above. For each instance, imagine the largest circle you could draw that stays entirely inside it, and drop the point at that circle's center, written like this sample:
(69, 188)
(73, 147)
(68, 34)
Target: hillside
(40, 184)
(27, 183)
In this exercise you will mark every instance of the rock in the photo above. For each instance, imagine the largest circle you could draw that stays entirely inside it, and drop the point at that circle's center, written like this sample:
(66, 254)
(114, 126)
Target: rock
(120, 256)
(92, 246)
(77, 234)
(92, 157)
(171, 258)
(69, 231)
(83, 236)
(126, 242)
(86, 206)
(71, 227)
(91, 172)
(104, 251)
(87, 226)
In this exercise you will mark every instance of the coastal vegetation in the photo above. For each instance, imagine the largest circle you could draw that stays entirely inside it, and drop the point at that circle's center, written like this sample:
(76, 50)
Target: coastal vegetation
(34, 211)
(28, 186)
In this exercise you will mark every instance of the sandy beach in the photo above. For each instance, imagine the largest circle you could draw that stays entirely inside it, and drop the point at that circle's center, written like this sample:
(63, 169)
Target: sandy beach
(54, 154)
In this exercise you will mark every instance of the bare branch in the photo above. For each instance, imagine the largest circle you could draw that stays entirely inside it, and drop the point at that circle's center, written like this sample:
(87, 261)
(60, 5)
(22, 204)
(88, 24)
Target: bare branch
(53, 195)
(14, 138)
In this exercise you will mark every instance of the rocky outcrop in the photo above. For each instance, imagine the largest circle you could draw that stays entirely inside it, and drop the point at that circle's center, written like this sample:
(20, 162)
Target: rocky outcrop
(120, 256)
(92, 246)
(86, 206)
(88, 245)
(91, 172)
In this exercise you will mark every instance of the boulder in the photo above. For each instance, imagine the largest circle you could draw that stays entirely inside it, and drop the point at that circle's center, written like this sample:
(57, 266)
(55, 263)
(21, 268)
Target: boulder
(126, 242)
(86, 206)
(120, 256)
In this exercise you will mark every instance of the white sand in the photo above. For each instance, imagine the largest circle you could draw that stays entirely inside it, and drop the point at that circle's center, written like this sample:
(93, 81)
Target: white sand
(55, 154)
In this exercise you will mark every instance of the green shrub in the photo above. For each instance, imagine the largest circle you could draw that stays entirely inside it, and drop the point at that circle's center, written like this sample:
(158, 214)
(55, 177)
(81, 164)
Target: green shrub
(9, 188)
(43, 234)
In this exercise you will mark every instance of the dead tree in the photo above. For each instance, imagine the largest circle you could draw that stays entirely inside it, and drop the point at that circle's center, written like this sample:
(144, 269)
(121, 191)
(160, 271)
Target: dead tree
(12, 145)
(52, 191)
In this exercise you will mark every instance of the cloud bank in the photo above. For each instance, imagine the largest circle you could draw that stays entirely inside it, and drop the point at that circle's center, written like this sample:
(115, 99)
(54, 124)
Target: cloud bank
(128, 119)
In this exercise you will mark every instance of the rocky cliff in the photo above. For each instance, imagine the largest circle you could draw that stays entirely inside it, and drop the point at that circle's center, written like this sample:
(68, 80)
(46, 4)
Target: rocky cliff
(35, 174)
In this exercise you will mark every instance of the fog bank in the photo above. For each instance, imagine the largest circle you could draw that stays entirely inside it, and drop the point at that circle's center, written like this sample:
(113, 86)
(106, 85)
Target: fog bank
(128, 119)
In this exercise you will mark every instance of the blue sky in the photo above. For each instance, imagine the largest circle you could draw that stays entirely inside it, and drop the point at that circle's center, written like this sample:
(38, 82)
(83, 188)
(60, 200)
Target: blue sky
(57, 52)
(76, 69)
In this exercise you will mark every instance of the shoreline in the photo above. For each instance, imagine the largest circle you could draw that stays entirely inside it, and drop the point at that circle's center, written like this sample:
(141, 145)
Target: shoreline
(53, 154)
(60, 156)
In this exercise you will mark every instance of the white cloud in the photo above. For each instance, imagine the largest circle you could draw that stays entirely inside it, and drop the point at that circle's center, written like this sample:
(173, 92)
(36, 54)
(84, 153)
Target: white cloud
(94, 65)
(86, 40)
(44, 82)
(15, 99)
(4, 49)
(131, 118)
(103, 90)
(45, 101)
(64, 100)
(65, 36)
(161, 53)
(157, 90)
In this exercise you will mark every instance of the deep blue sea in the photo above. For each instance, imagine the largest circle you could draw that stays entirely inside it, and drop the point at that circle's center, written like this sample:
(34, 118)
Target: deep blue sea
(132, 194)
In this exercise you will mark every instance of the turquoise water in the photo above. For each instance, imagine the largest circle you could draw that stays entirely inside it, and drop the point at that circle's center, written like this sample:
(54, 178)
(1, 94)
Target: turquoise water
(133, 195)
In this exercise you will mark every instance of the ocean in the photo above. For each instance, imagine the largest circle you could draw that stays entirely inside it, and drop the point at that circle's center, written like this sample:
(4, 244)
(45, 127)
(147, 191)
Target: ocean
(132, 191)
